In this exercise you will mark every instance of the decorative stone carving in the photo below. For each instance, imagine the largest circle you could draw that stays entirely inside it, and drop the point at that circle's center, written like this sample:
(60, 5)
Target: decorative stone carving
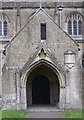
(69, 59)
(42, 53)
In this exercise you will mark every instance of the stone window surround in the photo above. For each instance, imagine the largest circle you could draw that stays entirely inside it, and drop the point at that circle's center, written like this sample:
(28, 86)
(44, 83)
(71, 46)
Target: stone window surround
(74, 16)
(3, 18)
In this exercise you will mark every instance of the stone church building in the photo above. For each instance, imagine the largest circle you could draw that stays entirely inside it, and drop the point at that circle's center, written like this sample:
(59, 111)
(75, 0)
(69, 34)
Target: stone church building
(41, 54)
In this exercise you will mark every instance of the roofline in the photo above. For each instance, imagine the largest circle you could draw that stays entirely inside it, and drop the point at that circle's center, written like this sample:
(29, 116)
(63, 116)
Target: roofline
(32, 18)
(23, 26)
(59, 26)
(25, 4)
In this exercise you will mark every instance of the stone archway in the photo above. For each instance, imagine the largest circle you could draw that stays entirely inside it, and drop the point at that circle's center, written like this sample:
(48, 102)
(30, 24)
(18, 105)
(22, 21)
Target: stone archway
(42, 76)
(56, 80)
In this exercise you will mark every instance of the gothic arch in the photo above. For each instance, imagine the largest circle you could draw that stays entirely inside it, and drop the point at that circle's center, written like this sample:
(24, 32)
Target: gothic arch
(4, 24)
(3, 14)
(74, 24)
(46, 63)
(74, 12)
(54, 69)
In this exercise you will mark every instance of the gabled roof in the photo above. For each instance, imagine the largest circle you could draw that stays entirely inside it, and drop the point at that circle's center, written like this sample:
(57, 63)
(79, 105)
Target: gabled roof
(37, 11)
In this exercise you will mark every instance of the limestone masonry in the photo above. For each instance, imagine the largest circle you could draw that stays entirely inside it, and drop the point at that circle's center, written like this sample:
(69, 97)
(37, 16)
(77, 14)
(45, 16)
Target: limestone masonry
(41, 54)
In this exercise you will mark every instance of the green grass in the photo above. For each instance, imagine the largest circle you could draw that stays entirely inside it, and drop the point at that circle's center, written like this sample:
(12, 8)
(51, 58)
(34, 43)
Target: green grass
(24, 114)
(13, 114)
(73, 113)
(0, 114)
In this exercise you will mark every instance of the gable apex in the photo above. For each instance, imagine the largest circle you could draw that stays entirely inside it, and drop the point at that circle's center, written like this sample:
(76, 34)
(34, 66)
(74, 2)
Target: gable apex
(32, 17)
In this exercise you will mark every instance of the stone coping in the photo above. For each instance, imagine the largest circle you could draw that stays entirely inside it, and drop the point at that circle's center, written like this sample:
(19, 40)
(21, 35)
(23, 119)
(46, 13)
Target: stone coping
(22, 5)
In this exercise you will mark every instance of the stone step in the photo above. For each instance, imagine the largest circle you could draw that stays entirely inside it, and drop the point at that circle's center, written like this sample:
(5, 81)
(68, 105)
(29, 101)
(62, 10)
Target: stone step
(43, 108)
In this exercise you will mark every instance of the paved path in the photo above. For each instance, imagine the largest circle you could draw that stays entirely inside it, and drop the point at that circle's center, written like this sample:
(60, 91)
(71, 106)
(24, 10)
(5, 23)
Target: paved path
(44, 112)
(45, 115)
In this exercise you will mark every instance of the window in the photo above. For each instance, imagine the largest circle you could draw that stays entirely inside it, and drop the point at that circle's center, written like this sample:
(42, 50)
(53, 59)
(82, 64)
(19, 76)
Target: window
(70, 27)
(75, 27)
(43, 31)
(80, 27)
(83, 60)
(0, 28)
(3, 26)
(75, 24)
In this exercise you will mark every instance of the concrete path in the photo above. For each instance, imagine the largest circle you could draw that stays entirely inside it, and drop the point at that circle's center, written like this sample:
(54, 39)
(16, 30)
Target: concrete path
(46, 115)
(44, 112)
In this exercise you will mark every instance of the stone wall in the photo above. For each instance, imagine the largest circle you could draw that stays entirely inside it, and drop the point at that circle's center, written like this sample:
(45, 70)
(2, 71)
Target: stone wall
(23, 49)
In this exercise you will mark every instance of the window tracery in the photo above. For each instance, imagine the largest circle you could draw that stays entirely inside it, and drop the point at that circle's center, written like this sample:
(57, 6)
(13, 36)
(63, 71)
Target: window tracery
(3, 26)
(75, 24)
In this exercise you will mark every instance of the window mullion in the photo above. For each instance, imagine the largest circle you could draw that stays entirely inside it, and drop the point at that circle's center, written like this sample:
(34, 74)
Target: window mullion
(2, 28)
(77, 26)
(72, 25)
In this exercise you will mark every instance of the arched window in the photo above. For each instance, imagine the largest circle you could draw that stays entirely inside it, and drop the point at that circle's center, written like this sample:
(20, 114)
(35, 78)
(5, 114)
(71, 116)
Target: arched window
(3, 26)
(75, 24)
(80, 27)
(75, 27)
(70, 27)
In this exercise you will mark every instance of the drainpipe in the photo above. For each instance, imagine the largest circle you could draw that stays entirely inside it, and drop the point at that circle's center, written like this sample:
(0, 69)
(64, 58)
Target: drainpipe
(60, 13)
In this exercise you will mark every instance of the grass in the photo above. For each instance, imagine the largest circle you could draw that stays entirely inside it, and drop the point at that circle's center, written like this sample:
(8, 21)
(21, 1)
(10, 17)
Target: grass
(0, 114)
(22, 114)
(13, 114)
(73, 113)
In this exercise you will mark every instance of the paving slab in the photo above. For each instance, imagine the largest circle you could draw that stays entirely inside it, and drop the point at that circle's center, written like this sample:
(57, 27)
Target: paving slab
(46, 115)
(44, 108)
(45, 112)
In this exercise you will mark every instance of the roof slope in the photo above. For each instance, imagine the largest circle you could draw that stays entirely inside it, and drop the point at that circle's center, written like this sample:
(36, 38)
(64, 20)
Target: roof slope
(37, 11)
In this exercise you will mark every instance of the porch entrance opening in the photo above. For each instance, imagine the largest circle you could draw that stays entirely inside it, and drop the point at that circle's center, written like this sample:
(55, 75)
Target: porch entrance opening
(42, 86)
(40, 90)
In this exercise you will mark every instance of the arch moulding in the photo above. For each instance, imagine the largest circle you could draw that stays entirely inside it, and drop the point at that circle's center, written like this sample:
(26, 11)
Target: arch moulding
(53, 67)
(47, 63)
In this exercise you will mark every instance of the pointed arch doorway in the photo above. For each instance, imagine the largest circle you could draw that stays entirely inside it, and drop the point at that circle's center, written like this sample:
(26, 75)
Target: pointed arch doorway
(42, 86)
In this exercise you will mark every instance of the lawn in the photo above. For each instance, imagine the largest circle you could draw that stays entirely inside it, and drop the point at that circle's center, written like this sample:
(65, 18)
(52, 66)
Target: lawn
(0, 114)
(14, 114)
(23, 114)
(73, 113)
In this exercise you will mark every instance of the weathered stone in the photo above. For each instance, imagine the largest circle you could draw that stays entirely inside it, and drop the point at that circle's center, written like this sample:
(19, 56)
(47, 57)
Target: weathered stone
(26, 56)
